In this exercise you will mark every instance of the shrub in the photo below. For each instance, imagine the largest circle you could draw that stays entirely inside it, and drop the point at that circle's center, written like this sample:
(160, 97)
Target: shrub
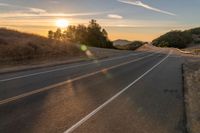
(195, 31)
(197, 41)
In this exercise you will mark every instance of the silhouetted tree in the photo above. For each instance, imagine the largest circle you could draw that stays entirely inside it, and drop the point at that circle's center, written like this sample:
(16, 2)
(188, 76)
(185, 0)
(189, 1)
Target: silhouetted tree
(105, 33)
(92, 35)
(81, 34)
(50, 34)
(70, 33)
(58, 34)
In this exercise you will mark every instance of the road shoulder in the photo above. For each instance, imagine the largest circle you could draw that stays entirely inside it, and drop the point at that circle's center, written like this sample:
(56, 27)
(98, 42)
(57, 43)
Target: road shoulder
(192, 95)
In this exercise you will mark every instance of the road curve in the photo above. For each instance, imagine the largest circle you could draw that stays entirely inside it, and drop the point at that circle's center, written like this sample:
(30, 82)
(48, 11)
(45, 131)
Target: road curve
(138, 92)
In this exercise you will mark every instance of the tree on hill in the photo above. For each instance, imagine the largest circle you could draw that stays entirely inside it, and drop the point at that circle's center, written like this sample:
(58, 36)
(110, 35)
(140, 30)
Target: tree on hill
(81, 34)
(91, 35)
(50, 34)
(70, 33)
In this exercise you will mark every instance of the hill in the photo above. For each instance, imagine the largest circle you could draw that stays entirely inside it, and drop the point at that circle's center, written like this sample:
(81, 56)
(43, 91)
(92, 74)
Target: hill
(19, 46)
(131, 46)
(178, 39)
(121, 42)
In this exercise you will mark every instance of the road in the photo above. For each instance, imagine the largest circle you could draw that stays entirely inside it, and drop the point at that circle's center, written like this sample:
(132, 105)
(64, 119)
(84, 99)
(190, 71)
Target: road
(139, 92)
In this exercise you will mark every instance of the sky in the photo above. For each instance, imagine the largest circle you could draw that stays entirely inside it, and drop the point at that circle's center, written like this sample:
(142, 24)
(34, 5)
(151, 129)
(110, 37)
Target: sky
(123, 19)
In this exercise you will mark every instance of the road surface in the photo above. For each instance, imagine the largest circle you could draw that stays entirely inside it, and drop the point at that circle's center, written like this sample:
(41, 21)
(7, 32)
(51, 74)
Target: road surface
(139, 92)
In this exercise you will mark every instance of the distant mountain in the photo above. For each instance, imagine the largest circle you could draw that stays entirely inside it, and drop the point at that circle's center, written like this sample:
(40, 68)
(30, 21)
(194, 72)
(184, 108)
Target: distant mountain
(131, 46)
(121, 42)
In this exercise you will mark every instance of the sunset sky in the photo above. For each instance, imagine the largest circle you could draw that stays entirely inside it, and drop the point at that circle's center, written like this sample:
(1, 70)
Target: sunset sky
(124, 19)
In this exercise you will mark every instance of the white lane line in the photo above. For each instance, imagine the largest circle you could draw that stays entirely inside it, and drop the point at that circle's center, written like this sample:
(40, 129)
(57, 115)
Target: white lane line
(65, 68)
(69, 81)
(72, 128)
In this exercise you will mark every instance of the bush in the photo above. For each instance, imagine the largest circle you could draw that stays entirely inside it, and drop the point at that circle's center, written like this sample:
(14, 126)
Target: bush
(195, 31)
(197, 41)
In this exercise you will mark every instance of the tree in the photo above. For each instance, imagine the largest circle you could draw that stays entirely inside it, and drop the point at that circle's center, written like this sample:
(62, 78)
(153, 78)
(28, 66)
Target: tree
(92, 35)
(58, 34)
(81, 34)
(50, 34)
(70, 33)
(97, 36)
(105, 33)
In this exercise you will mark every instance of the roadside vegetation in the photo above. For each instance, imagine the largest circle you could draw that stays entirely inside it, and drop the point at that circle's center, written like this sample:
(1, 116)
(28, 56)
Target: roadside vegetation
(17, 46)
(91, 35)
(178, 39)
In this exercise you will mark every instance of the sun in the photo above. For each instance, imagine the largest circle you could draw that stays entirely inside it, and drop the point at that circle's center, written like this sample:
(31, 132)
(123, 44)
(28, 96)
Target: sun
(62, 23)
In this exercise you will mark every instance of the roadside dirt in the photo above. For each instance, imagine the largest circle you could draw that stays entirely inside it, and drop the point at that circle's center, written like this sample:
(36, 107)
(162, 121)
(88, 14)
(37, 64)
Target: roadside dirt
(192, 94)
(191, 73)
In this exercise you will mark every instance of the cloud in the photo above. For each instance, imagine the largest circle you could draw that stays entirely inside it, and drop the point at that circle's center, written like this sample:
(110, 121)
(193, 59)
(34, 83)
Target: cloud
(37, 12)
(141, 4)
(6, 15)
(114, 16)
(24, 9)
(45, 14)
(3, 4)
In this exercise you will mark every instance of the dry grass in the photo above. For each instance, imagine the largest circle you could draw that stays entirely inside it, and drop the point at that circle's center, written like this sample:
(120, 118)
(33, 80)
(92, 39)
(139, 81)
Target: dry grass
(192, 86)
(17, 47)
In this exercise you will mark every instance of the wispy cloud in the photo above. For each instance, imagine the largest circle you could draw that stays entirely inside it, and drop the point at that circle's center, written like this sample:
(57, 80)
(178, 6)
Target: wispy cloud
(114, 16)
(37, 12)
(141, 4)
(4, 4)
(8, 15)
(24, 9)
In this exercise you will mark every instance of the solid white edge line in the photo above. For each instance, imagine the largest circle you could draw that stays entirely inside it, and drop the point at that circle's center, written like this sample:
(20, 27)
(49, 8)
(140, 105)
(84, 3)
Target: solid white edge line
(76, 125)
(65, 68)
(68, 81)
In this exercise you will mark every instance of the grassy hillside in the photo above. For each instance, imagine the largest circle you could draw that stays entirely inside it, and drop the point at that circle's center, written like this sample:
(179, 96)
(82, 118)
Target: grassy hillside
(178, 39)
(18, 46)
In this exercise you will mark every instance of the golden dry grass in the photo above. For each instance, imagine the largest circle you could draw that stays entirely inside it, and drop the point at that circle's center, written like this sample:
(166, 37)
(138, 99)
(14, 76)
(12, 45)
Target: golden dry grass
(17, 46)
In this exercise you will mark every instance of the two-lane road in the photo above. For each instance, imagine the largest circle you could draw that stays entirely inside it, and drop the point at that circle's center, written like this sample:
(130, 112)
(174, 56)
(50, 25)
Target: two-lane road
(136, 92)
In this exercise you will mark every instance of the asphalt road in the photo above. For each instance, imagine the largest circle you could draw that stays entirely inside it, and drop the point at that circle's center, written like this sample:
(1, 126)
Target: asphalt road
(133, 93)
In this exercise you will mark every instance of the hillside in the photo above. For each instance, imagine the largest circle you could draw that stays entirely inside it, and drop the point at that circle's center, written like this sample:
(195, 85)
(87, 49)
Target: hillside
(121, 42)
(17, 46)
(179, 39)
(131, 46)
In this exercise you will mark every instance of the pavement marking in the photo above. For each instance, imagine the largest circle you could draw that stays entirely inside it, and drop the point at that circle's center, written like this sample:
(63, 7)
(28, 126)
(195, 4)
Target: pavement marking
(69, 81)
(76, 125)
(65, 68)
